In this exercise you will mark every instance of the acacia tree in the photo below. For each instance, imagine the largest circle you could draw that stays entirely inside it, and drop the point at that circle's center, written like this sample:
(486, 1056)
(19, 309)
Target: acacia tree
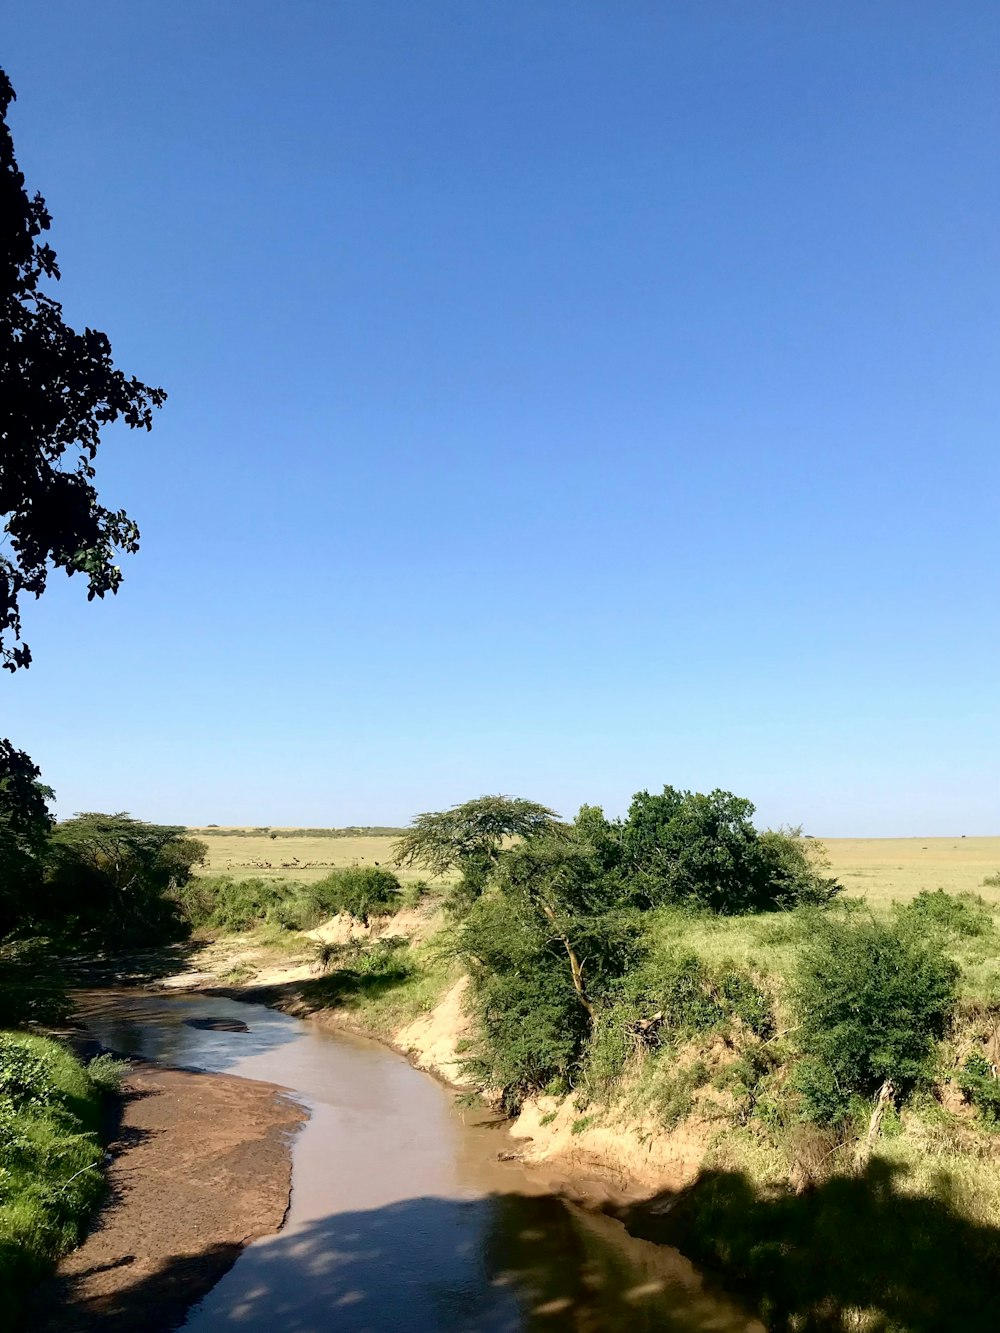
(470, 837)
(58, 388)
(114, 876)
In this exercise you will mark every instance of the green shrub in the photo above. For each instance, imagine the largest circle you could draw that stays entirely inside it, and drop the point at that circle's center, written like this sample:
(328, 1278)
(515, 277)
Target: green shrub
(107, 1073)
(415, 892)
(686, 847)
(794, 870)
(981, 1087)
(672, 997)
(362, 892)
(50, 1158)
(962, 914)
(531, 1028)
(872, 1000)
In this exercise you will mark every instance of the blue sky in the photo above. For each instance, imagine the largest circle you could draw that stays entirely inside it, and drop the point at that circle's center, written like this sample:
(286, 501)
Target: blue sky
(565, 398)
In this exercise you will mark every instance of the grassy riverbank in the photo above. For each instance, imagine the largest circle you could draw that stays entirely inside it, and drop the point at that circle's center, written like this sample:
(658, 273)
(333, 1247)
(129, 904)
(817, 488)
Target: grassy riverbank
(51, 1158)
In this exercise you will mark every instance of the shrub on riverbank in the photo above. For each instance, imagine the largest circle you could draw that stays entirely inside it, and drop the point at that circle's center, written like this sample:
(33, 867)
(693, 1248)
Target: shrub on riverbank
(224, 903)
(50, 1157)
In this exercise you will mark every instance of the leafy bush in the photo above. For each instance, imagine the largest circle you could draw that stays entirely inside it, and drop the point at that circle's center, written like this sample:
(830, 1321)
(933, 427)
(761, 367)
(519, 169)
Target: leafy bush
(794, 870)
(50, 1158)
(360, 891)
(107, 1073)
(963, 914)
(981, 1087)
(673, 996)
(231, 904)
(872, 1000)
(683, 846)
(531, 1026)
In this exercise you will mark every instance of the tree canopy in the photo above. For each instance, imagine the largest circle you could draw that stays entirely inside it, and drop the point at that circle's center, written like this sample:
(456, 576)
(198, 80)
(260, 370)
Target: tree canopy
(25, 824)
(59, 389)
(469, 837)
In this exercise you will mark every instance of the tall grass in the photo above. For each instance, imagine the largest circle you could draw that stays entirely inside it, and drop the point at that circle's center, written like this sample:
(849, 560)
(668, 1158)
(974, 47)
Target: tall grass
(50, 1156)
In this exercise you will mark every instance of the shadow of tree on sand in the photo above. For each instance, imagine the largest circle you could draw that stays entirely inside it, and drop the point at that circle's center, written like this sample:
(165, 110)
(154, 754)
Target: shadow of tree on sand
(812, 1260)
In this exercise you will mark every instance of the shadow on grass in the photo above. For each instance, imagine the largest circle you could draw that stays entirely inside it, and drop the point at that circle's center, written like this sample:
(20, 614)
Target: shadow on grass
(345, 987)
(853, 1243)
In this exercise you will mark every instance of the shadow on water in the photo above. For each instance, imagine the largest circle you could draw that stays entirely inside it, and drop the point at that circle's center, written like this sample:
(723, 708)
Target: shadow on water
(431, 1265)
(189, 1031)
(852, 1243)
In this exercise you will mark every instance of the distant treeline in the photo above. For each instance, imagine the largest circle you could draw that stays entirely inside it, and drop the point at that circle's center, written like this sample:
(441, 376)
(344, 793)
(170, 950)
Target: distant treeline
(355, 831)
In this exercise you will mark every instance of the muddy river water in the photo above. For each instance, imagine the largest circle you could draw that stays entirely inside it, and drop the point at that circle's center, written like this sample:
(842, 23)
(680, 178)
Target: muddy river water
(402, 1217)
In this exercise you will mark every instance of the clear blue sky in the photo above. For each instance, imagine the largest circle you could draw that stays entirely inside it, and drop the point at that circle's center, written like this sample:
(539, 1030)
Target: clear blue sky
(565, 398)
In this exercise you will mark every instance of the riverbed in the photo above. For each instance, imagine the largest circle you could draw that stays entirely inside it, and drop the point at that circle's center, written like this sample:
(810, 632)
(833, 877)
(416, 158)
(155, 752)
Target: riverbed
(404, 1214)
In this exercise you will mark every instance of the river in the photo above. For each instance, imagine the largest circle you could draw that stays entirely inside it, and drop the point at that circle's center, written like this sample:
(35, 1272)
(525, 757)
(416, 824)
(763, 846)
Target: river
(402, 1217)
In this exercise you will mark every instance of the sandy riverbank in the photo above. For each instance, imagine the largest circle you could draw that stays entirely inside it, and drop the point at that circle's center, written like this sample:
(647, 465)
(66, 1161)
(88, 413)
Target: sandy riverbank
(201, 1165)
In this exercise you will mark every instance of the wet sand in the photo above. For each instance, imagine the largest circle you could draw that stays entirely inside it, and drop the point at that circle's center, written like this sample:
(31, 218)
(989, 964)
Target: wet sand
(201, 1166)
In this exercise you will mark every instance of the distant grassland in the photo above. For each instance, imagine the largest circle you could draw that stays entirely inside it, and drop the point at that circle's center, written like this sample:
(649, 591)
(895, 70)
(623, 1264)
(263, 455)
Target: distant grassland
(879, 869)
(305, 855)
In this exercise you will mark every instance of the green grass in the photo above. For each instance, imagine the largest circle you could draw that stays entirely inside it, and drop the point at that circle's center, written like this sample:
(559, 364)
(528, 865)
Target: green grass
(385, 985)
(50, 1157)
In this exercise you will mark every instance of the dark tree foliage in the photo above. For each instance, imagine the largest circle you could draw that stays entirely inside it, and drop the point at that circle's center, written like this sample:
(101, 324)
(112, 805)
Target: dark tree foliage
(25, 824)
(686, 847)
(58, 388)
(112, 878)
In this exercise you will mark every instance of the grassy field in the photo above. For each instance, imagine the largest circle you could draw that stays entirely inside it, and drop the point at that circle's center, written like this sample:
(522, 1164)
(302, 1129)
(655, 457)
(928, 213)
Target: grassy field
(880, 869)
(304, 859)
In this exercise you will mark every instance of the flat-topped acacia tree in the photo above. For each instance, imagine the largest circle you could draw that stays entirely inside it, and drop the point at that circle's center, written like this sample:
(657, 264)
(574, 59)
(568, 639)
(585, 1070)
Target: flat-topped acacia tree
(470, 837)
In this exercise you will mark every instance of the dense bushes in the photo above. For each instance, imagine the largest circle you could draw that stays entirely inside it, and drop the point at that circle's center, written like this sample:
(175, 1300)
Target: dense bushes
(872, 1000)
(360, 891)
(685, 847)
(230, 904)
(50, 1156)
(670, 997)
(32, 983)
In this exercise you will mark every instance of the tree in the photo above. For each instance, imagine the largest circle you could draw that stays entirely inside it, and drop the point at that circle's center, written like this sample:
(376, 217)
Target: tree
(58, 388)
(544, 945)
(470, 837)
(114, 877)
(25, 823)
(872, 999)
(683, 846)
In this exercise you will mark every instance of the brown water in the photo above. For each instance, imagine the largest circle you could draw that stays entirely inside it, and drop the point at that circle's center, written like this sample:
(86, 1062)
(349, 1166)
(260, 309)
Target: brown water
(402, 1217)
